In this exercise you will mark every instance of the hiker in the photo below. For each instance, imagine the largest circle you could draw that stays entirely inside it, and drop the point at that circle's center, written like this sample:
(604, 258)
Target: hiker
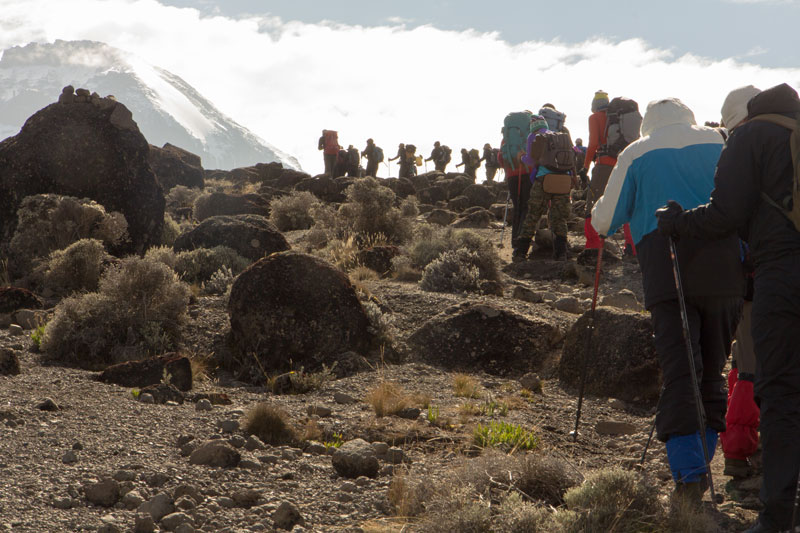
(410, 162)
(441, 164)
(543, 198)
(374, 155)
(401, 155)
(754, 179)
(597, 153)
(490, 161)
(353, 162)
(580, 157)
(470, 160)
(675, 159)
(437, 154)
(516, 126)
(329, 144)
(341, 164)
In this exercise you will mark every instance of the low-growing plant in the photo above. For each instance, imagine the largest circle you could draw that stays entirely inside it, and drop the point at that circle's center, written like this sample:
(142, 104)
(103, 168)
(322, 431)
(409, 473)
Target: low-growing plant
(37, 335)
(199, 265)
(269, 424)
(433, 414)
(335, 442)
(181, 197)
(430, 242)
(465, 386)
(452, 271)
(387, 398)
(504, 434)
(301, 382)
(76, 268)
(362, 273)
(404, 269)
(220, 281)
(293, 211)
(491, 407)
(409, 207)
(135, 392)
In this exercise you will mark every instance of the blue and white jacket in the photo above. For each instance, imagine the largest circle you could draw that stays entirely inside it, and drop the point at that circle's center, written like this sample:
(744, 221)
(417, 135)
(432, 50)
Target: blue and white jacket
(673, 160)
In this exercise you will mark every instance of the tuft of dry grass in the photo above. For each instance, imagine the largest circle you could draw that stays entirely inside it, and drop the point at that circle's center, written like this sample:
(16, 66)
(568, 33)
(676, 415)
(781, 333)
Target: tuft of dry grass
(202, 367)
(362, 273)
(387, 398)
(269, 424)
(465, 386)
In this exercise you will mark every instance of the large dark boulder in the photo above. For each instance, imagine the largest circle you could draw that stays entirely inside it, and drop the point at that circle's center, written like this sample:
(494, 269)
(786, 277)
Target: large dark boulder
(479, 196)
(252, 236)
(323, 187)
(87, 147)
(171, 368)
(293, 310)
(431, 195)
(623, 362)
(289, 178)
(14, 298)
(220, 203)
(485, 337)
(176, 166)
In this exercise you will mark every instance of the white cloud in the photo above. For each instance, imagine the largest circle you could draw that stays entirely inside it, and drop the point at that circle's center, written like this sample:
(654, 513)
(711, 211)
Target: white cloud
(288, 81)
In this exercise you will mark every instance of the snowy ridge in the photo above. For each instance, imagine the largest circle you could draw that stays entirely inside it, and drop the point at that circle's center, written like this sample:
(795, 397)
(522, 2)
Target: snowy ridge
(166, 108)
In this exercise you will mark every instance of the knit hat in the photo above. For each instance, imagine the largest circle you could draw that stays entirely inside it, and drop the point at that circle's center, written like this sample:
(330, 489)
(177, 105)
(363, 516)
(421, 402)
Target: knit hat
(537, 123)
(600, 101)
(734, 109)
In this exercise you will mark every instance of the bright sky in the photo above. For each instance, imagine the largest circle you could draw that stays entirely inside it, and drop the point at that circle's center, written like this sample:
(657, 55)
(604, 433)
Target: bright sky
(424, 70)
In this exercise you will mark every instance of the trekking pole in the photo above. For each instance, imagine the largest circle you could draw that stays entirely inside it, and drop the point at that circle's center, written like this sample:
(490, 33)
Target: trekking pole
(796, 505)
(426, 167)
(649, 440)
(505, 217)
(701, 415)
(587, 353)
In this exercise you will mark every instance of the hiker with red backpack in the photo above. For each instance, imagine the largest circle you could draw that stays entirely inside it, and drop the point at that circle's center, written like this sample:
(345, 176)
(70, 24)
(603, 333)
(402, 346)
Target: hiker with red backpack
(329, 144)
(757, 195)
(604, 157)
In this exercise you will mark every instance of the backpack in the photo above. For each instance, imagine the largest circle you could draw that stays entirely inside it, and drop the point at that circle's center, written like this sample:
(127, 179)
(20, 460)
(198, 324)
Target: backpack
(492, 161)
(474, 158)
(331, 142)
(792, 124)
(516, 127)
(623, 122)
(446, 154)
(353, 157)
(378, 154)
(553, 149)
(555, 119)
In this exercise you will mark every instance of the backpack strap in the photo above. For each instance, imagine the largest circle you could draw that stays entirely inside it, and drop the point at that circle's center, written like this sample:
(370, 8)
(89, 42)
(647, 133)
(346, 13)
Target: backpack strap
(793, 125)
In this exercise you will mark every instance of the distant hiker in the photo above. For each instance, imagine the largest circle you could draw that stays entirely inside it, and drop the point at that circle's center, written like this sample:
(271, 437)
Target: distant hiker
(341, 165)
(675, 159)
(374, 155)
(552, 182)
(401, 155)
(516, 126)
(490, 161)
(329, 144)
(580, 158)
(470, 160)
(604, 161)
(755, 195)
(437, 154)
(409, 166)
(353, 162)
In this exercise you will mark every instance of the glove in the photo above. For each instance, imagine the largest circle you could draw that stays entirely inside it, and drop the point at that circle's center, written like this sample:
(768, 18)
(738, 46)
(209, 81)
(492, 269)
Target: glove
(668, 217)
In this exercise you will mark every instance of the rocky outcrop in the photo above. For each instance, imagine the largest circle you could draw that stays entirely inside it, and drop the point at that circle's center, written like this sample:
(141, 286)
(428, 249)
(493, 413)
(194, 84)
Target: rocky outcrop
(292, 309)
(252, 236)
(176, 166)
(14, 298)
(480, 336)
(172, 368)
(324, 187)
(623, 362)
(88, 147)
(220, 203)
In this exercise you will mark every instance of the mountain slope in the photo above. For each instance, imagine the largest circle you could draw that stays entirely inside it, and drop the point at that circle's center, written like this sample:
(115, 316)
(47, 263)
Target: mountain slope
(166, 108)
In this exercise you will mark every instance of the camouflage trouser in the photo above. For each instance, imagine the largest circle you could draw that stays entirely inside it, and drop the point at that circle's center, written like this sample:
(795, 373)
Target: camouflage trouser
(538, 205)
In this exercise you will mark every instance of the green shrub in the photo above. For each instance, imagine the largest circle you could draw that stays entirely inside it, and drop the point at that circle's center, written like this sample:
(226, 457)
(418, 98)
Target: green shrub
(137, 311)
(199, 265)
(452, 271)
(293, 211)
(49, 222)
(170, 231)
(511, 436)
(75, 268)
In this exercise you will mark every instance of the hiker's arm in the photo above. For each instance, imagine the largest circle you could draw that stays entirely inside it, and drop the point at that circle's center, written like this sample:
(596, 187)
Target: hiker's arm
(594, 140)
(615, 207)
(735, 196)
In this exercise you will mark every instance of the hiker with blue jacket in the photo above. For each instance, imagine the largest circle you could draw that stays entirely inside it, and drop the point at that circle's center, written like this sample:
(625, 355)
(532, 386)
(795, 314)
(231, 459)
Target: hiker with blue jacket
(675, 160)
(755, 177)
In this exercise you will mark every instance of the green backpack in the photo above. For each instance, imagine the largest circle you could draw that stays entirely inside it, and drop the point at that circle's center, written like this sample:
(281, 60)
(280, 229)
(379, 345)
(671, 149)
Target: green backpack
(793, 125)
(516, 127)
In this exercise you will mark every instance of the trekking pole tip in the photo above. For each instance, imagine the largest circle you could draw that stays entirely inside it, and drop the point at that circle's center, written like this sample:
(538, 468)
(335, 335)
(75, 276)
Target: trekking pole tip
(573, 435)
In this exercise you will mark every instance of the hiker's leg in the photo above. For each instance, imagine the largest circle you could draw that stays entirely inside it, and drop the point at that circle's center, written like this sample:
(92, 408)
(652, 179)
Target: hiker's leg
(536, 206)
(593, 241)
(776, 337)
(559, 215)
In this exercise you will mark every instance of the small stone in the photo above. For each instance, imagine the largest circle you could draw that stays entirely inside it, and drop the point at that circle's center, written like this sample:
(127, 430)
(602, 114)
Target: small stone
(77, 446)
(104, 492)
(109, 528)
(246, 498)
(124, 475)
(617, 404)
(48, 404)
(171, 521)
(612, 427)
(16, 330)
(380, 448)
(532, 382)
(315, 448)
(63, 502)
(363, 481)
(225, 502)
(527, 295)
(214, 453)
(344, 497)
(355, 458)
(250, 464)
(286, 516)
(569, 304)
(342, 398)
(237, 441)
(187, 528)
(185, 503)
(184, 439)
(9, 362)
(157, 479)
(187, 449)
(160, 506)
(409, 413)
(229, 426)
(143, 523)
(132, 500)
(348, 486)
(253, 443)
(204, 405)
(395, 456)
(290, 454)
(70, 457)
(188, 490)
(319, 410)
(146, 397)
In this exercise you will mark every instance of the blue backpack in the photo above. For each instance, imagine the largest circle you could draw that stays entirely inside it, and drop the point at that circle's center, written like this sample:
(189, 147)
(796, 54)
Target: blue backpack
(516, 127)
(555, 119)
(378, 151)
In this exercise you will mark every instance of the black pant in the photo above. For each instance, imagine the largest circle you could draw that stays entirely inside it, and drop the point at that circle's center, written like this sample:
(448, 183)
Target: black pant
(372, 168)
(712, 323)
(776, 339)
(490, 172)
(519, 188)
(330, 163)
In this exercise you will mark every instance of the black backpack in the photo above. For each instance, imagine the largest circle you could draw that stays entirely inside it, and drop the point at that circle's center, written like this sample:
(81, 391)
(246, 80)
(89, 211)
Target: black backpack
(446, 154)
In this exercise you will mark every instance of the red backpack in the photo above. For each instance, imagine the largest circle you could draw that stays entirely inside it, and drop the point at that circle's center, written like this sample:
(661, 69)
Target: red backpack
(331, 142)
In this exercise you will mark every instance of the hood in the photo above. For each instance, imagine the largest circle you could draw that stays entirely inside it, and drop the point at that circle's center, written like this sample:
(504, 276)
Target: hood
(666, 112)
(778, 99)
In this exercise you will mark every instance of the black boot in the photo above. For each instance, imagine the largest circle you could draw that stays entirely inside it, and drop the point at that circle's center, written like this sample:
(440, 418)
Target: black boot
(559, 248)
(521, 246)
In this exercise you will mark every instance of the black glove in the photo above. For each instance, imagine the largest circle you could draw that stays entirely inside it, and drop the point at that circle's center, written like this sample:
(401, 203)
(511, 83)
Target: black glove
(668, 219)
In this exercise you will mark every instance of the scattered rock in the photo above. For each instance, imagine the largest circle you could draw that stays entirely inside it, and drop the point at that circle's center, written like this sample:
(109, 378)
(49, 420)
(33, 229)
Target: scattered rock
(342, 398)
(9, 362)
(143, 523)
(246, 498)
(104, 492)
(355, 458)
(251, 236)
(16, 330)
(527, 295)
(203, 405)
(569, 304)
(132, 500)
(253, 443)
(380, 448)
(151, 372)
(229, 426)
(158, 506)
(409, 413)
(146, 397)
(319, 410)
(175, 166)
(532, 382)
(395, 456)
(613, 427)
(477, 219)
(442, 217)
(70, 457)
(162, 393)
(624, 299)
(172, 521)
(286, 516)
(63, 502)
(48, 404)
(215, 453)
(479, 196)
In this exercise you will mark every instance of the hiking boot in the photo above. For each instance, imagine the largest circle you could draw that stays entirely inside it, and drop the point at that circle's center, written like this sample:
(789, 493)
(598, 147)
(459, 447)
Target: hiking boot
(521, 246)
(737, 468)
(759, 527)
(689, 494)
(559, 248)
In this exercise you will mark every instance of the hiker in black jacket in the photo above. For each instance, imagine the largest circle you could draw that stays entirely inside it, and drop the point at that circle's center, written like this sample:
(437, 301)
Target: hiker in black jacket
(754, 171)
(490, 161)
(373, 155)
(437, 154)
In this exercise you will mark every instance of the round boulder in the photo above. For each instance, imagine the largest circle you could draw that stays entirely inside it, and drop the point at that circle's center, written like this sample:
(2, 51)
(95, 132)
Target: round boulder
(623, 361)
(220, 203)
(354, 459)
(479, 196)
(252, 236)
(14, 298)
(480, 336)
(293, 309)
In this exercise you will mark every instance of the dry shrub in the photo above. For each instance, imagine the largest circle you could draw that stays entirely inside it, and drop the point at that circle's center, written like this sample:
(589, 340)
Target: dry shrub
(362, 273)
(181, 197)
(202, 367)
(387, 398)
(162, 254)
(404, 269)
(219, 282)
(269, 424)
(430, 242)
(342, 252)
(137, 311)
(452, 271)
(170, 231)
(614, 499)
(49, 222)
(200, 264)
(457, 509)
(293, 211)
(75, 268)
(465, 386)
(409, 207)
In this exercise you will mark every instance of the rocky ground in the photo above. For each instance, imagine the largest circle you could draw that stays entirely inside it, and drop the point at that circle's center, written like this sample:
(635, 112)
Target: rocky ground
(80, 455)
